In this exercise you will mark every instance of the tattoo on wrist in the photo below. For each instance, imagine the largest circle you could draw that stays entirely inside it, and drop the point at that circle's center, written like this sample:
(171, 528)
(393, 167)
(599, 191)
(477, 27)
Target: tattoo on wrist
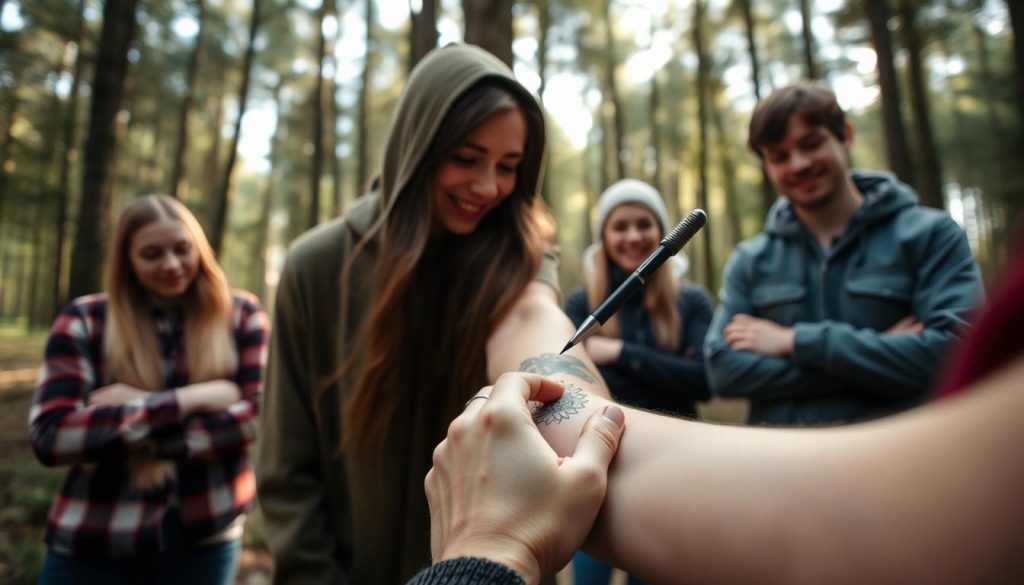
(570, 403)
(552, 363)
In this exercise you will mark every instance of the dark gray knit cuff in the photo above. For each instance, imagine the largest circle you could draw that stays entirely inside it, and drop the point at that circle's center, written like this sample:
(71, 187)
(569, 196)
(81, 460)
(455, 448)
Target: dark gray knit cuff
(467, 571)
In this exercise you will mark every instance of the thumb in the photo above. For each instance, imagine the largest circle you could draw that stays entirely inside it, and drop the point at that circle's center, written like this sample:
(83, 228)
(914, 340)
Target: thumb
(600, 437)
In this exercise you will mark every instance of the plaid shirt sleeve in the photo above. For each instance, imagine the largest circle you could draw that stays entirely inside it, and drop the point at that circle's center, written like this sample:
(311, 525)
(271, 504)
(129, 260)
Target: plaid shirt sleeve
(62, 429)
(211, 434)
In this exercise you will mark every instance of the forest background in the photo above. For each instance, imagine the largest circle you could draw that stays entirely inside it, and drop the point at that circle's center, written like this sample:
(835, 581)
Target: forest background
(267, 117)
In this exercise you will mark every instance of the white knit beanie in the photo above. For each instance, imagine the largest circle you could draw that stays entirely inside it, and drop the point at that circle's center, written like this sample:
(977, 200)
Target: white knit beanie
(630, 191)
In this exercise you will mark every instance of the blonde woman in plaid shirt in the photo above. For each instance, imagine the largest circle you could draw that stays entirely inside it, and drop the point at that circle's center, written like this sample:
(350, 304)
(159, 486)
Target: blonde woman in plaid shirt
(149, 392)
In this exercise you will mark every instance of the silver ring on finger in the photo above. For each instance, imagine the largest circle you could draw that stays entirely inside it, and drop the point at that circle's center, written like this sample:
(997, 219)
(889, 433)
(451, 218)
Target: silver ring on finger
(480, 396)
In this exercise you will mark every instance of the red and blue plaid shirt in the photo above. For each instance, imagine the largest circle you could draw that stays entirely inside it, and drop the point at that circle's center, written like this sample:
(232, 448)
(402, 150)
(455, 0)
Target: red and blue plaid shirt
(98, 513)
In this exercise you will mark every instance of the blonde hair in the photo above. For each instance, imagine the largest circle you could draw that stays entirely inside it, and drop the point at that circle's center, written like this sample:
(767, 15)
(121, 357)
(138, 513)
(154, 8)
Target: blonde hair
(659, 300)
(130, 350)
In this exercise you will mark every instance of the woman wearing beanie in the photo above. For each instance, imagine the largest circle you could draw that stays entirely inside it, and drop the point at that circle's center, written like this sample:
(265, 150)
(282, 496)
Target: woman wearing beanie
(650, 351)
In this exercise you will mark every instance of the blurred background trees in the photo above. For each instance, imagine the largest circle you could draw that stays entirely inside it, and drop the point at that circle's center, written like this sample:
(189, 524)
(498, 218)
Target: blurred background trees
(268, 116)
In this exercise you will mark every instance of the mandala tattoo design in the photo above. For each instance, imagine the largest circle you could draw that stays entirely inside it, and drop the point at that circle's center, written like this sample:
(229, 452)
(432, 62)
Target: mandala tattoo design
(552, 363)
(571, 402)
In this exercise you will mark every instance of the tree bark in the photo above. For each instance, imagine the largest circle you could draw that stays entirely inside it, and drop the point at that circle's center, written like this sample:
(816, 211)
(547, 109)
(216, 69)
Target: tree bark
(179, 178)
(336, 173)
(69, 149)
(362, 125)
(985, 69)
(611, 94)
(422, 31)
(732, 214)
(317, 99)
(653, 107)
(544, 28)
(101, 145)
(267, 200)
(896, 151)
(222, 200)
(930, 166)
(702, 148)
(767, 192)
(489, 25)
(1016, 10)
(810, 65)
(211, 170)
(13, 104)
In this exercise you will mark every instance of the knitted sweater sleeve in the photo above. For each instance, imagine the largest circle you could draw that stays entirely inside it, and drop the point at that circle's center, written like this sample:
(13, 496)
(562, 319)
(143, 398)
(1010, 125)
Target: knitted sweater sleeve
(467, 571)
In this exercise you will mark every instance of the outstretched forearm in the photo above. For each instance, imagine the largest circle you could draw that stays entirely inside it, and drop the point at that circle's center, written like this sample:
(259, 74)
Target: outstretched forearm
(694, 502)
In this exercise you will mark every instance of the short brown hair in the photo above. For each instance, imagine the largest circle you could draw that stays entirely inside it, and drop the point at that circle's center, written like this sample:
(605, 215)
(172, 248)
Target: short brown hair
(812, 101)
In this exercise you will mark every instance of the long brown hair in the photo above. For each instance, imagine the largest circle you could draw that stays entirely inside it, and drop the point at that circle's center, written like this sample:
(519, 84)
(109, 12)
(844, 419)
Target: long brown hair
(437, 300)
(659, 299)
(130, 352)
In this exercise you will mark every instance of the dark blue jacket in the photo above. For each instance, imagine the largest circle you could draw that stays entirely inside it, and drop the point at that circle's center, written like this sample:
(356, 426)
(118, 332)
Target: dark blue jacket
(645, 375)
(895, 259)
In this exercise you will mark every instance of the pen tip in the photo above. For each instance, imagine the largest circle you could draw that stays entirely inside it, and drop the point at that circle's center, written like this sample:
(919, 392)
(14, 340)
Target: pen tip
(566, 348)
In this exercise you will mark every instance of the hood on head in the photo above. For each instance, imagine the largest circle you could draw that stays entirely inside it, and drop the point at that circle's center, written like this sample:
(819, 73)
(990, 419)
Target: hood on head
(434, 85)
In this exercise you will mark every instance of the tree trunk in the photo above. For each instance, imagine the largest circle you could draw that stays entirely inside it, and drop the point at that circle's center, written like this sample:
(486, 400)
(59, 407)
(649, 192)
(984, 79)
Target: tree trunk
(1016, 10)
(220, 203)
(544, 28)
(709, 279)
(489, 25)
(767, 192)
(732, 214)
(69, 149)
(653, 107)
(179, 177)
(896, 151)
(211, 170)
(362, 125)
(808, 38)
(101, 145)
(675, 143)
(336, 174)
(13, 104)
(985, 69)
(930, 166)
(267, 200)
(611, 93)
(36, 302)
(422, 30)
(316, 164)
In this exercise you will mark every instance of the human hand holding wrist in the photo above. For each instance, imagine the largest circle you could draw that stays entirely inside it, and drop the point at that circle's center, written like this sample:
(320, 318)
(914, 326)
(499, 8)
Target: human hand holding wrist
(498, 491)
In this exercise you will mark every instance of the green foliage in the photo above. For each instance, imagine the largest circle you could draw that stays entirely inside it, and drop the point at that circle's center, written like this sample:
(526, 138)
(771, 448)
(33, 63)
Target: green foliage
(966, 44)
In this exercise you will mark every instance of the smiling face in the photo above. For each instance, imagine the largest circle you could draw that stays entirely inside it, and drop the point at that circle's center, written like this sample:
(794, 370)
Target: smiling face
(809, 165)
(163, 258)
(631, 233)
(479, 173)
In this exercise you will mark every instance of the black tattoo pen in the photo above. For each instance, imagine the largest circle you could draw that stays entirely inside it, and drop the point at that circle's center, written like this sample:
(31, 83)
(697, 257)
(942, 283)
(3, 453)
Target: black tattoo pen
(669, 246)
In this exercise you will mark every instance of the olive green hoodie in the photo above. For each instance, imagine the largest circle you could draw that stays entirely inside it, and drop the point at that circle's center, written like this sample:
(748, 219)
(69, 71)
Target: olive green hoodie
(326, 519)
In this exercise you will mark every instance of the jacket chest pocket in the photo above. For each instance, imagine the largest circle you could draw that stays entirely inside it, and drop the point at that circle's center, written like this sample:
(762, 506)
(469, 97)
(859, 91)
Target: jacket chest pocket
(784, 304)
(879, 302)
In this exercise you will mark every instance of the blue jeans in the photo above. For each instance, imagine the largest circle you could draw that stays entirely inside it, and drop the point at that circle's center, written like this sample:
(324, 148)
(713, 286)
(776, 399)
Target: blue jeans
(586, 570)
(214, 564)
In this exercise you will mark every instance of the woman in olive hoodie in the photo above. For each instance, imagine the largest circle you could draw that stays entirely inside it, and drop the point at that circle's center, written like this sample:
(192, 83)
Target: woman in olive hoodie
(389, 318)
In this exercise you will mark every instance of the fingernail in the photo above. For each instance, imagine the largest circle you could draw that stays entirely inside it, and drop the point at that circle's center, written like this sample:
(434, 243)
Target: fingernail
(614, 415)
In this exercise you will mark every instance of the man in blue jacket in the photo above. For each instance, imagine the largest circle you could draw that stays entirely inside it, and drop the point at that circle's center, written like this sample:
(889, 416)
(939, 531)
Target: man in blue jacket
(843, 308)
